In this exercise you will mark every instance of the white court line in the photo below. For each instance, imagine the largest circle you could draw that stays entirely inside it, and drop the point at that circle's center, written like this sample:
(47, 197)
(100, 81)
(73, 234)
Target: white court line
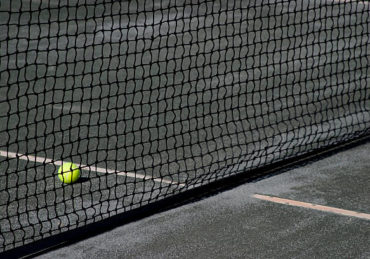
(43, 160)
(312, 206)
(351, 1)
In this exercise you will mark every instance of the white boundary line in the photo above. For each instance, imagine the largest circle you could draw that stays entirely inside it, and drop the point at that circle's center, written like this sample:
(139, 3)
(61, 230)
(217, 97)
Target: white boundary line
(312, 206)
(364, 2)
(43, 160)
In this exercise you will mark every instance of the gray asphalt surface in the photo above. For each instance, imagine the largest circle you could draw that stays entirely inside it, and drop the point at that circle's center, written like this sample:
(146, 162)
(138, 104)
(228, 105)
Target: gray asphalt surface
(233, 224)
(173, 94)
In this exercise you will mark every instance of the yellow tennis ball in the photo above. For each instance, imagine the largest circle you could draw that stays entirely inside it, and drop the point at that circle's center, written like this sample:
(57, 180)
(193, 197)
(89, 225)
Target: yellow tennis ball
(68, 172)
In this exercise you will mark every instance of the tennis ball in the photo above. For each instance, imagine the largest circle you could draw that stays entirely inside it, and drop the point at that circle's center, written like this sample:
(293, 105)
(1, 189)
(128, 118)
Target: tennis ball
(68, 172)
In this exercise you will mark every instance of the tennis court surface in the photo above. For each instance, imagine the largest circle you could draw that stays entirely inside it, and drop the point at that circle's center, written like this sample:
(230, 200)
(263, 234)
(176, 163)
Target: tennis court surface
(152, 99)
(236, 224)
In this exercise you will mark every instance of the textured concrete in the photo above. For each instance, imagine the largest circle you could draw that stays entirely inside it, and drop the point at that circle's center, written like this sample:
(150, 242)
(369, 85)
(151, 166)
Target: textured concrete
(233, 224)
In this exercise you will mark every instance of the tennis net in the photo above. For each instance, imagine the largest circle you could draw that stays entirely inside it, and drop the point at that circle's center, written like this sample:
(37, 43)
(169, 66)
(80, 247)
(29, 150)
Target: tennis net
(154, 98)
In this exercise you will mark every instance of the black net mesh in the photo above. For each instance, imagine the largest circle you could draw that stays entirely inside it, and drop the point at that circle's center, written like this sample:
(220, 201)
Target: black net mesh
(152, 98)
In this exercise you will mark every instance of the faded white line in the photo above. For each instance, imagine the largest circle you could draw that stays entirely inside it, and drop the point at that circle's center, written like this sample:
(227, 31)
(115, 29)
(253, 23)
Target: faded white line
(43, 160)
(76, 109)
(312, 206)
(351, 1)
